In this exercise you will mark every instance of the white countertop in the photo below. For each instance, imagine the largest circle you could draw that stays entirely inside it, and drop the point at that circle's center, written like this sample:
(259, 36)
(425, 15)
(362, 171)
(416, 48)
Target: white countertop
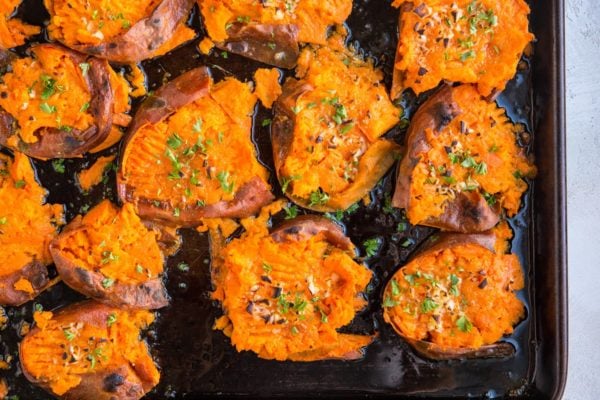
(583, 192)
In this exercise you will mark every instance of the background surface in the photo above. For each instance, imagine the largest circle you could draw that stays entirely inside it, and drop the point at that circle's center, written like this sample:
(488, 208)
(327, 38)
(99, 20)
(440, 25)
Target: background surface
(583, 188)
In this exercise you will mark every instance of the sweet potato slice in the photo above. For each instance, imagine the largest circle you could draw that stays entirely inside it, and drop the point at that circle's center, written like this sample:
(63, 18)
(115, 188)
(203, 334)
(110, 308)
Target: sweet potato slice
(286, 293)
(27, 226)
(456, 297)
(120, 31)
(463, 164)
(59, 103)
(327, 129)
(466, 41)
(13, 32)
(271, 31)
(189, 153)
(90, 351)
(111, 256)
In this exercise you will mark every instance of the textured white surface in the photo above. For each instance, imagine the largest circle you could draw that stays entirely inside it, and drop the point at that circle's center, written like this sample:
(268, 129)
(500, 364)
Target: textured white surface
(583, 171)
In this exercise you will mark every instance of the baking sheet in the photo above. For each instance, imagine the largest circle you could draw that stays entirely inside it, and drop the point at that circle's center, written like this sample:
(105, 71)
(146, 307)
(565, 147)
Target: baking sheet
(196, 360)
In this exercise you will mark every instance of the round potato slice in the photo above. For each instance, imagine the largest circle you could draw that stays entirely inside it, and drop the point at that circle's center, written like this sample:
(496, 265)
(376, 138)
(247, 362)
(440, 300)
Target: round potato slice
(327, 131)
(463, 165)
(120, 31)
(27, 226)
(189, 153)
(111, 256)
(456, 297)
(57, 103)
(271, 31)
(478, 42)
(286, 293)
(89, 351)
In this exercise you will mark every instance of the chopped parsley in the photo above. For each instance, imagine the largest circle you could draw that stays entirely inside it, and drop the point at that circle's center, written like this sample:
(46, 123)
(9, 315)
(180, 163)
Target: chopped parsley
(371, 246)
(389, 302)
(111, 319)
(108, 256)
(266, 122)
(174, 141)
(464, 324)
(107, 282)
(59, 165)
(20, 184)
(428, 305)
(454, 281)
(223, 178)
(395, 287)
(318, 198)
(290, 212)
(183, 267)
(69, 334)
(47, 108)
(85, 67)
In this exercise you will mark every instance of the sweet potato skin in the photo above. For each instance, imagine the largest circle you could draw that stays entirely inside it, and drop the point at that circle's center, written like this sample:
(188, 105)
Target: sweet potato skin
(299, 229)
(144, 37)
(151, 294)
(431, 350)
(183, 90)
(56, 143)
(469, 212)
(109, 385)
(34, 272)
(306, 226)
(282, 137)
(271, 44)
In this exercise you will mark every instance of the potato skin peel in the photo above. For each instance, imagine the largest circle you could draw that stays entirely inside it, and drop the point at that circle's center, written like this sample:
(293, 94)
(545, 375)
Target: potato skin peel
(185, 89)
(299, 333)
(469, 211)
(486, 241)
(57, 143)
(119, 382)
(148, 294)
(143, 39)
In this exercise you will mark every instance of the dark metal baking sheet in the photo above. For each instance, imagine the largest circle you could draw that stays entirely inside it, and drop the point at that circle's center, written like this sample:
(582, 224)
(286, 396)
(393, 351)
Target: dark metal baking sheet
(198, 361)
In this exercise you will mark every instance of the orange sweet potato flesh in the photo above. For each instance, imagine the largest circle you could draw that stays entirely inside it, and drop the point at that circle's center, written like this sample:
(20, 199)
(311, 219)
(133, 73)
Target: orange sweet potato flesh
(463, 166)
(13, 32)
(23, 272)
(327, 130)
(189, 153)
(456, 297)
(120, 31)
(271, 31)
(111, 256)
(478, 42)
(89, 351)
(286, 293)
(58, 103)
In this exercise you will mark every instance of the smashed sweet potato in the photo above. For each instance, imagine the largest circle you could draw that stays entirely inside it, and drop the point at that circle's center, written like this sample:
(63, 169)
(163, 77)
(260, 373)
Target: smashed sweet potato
(13, 31)
(111, 256)
(90, 351)
(189, 153)
(120, 31)
(267, 87)
(57, 103)
(286, 293)
(270, 31)
(456, 297)
(327, 130)
(468, 41)
(27, 226)
(463, 165)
